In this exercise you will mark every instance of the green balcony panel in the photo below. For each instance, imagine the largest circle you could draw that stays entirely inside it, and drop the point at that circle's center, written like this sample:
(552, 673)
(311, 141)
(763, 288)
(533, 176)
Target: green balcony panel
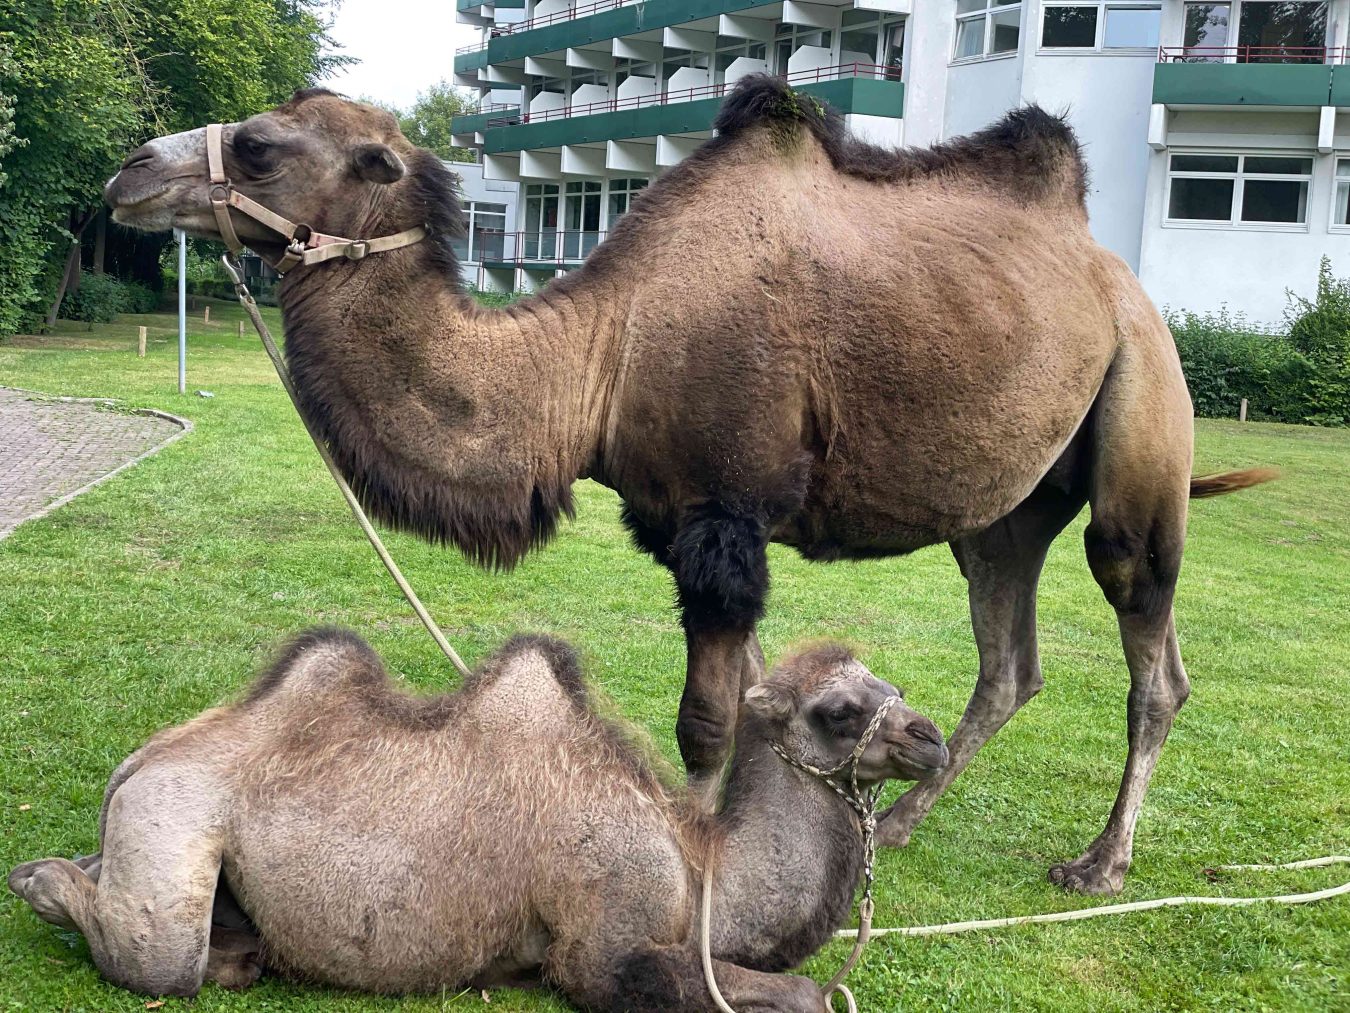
(849, 95)
(1340, 86)
(471, 5)
(471, 123)
(610, 24)
(1242, 84)
(465, 62)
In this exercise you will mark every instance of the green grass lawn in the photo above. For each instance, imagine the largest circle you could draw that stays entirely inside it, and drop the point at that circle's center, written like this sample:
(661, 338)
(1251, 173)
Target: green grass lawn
(164, 590)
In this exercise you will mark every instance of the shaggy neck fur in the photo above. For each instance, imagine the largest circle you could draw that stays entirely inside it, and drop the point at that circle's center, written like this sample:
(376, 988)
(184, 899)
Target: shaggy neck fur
(463, 425)
(788, 862)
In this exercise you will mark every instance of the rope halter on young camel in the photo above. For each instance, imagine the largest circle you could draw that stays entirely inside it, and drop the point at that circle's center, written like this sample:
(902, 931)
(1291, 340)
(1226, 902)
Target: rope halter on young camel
(305, 247)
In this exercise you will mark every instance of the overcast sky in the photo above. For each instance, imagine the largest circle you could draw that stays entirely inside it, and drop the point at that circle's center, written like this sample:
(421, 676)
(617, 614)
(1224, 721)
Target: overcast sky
(403, 46)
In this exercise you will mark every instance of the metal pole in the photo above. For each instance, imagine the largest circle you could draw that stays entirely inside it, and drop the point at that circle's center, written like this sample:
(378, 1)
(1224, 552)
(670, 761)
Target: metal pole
(182, 310)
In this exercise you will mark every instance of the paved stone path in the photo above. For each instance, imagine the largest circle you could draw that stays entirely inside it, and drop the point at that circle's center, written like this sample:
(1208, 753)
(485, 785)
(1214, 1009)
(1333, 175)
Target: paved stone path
(52, 449)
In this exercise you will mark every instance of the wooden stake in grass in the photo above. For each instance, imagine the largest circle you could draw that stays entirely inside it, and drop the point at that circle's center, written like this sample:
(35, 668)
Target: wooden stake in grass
(206, 315)
(1242, 411)
(241, 330)
(140, 342)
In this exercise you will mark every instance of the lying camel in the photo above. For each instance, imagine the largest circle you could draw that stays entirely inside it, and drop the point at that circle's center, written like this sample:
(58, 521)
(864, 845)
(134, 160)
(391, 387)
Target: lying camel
(499, 834)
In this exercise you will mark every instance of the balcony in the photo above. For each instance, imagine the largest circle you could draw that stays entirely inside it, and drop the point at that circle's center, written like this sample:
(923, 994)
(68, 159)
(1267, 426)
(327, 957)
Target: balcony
(548, 249)
(601, 21)
(1274, 76)
(859, 88)
(470, 58)
(472, 123)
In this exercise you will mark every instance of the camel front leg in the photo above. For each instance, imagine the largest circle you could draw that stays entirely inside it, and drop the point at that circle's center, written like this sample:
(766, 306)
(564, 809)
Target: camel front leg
(722, 579)
(722, 665)
(148, 917)
(1002, 566)
(669, 979)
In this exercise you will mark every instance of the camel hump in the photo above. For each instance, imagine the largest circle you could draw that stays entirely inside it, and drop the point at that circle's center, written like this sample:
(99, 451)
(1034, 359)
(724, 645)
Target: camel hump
(761, 99)
(1035, 152)
(533, 662)
(1031, 154)
(319, 660)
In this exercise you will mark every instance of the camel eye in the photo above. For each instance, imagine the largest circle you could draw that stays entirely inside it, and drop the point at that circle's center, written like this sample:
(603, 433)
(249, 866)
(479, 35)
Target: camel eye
(841, 714)
(250, 148)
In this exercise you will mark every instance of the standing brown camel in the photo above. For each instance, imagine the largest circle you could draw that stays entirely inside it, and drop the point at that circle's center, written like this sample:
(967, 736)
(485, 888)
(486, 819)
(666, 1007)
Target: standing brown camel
(793, 337)
(332, 828)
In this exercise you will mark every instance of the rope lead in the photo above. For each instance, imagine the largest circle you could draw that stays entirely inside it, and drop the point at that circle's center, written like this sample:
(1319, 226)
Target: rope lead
(251, 308)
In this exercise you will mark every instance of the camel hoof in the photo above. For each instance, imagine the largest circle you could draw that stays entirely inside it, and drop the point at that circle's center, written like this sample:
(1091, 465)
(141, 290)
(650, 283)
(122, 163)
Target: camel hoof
(894, 828)
(39, 884)
(1091, 875)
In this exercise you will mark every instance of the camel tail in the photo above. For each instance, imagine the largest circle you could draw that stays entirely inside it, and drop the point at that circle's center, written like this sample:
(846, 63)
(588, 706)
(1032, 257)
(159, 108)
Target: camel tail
(1230, 481)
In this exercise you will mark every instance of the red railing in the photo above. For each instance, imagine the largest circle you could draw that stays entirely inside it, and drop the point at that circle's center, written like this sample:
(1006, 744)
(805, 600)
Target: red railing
(556, 247)
(476, 48)
(567, 14)
(661, 98)
(1251, 54)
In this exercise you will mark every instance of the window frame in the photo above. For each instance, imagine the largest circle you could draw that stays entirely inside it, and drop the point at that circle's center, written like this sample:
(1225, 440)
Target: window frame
(1239, 178)
(1233, 31)
(1337, 178)
(986, 13)
(1098, 47)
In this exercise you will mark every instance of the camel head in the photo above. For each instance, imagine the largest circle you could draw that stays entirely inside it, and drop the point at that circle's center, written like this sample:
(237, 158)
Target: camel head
(318, 159)
(818, 705)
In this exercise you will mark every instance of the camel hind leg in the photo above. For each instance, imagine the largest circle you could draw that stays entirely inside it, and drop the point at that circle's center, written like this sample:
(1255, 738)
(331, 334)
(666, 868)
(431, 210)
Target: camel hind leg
(1002, 567)
(1138, 494)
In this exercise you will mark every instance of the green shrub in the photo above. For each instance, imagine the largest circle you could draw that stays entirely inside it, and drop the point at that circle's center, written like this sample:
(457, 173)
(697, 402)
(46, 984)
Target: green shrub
(1319, 328)
(1226, 359)
(98, 300)
(493, 300)
(138, 298)
(1302, 377)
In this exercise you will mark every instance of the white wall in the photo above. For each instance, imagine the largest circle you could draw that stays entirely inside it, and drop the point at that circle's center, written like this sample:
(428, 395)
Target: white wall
(1107, 100)
(1203, 268)
(979, 93)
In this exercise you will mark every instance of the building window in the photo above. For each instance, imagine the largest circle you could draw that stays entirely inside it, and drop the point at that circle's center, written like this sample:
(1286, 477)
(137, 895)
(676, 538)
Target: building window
(622, 193)
(487, 231)
(1101, 26)
(541, 221)
(1239, 190)
(582, 207)
(484, 234)
(986, 28)
(1206, 32)
(1287, 31)
(1340, 209)
(1267, 31)
(866, 37)
(730, 49)
(790, 38)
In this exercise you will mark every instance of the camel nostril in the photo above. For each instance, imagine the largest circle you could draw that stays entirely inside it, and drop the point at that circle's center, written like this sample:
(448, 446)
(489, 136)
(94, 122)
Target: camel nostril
(925, 731)
(140, 157)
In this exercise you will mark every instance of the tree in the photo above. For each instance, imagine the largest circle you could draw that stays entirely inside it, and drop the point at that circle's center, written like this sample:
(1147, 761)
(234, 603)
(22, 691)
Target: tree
(89, 78)
(74, 116)
(427, 124)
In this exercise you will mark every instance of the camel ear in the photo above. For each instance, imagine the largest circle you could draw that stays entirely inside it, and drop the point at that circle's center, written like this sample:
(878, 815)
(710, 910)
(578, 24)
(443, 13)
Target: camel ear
(377, 163)
(772, 701)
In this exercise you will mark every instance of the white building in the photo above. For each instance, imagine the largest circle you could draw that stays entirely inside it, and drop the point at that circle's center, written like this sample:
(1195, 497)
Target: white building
(1219, 170)
(490, 215)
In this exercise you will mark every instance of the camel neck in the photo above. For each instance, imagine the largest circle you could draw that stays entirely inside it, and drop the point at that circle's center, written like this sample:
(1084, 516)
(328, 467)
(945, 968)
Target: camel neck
(462, 424)
(789, 863)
